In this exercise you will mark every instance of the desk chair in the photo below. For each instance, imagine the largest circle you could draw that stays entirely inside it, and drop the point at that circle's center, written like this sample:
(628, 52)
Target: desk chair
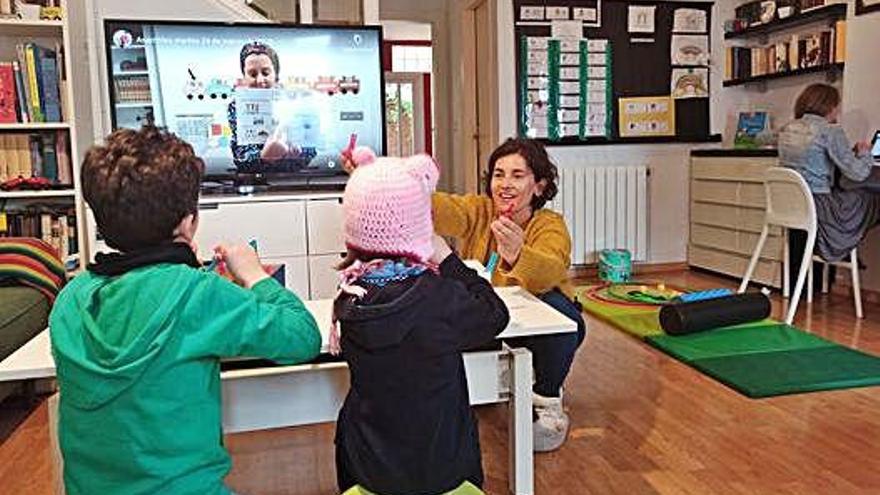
(790, 205)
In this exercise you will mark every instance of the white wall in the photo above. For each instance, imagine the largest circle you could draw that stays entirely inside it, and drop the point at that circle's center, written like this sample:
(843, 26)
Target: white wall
(861, 108)
(444, 44)
(406, 30)
(668, 184)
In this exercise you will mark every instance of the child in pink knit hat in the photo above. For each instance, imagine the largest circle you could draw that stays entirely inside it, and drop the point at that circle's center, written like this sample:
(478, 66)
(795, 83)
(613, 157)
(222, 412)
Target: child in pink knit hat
(406, 309)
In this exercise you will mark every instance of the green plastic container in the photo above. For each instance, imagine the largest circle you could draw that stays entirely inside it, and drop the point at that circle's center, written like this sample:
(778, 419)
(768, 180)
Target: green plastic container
(615, 265)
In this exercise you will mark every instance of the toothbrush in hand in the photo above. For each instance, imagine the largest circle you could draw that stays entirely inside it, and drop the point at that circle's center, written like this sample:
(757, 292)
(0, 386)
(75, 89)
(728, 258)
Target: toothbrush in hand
(494, 258)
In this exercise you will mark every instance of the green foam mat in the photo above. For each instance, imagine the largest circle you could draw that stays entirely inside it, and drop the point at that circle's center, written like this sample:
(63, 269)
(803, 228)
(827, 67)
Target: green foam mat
(772, 360)
(760, 359)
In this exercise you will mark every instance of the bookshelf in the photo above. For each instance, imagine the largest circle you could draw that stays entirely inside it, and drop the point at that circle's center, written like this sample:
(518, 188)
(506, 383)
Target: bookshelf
(828, 13)
(64, 200)
(810, 42)
(836, 68)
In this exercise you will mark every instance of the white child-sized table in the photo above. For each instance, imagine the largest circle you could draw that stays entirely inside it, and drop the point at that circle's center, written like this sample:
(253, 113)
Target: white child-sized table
(283, 396)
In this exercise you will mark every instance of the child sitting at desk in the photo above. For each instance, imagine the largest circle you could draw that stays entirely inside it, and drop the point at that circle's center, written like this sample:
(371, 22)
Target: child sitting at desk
(407, 307)
(137, 339)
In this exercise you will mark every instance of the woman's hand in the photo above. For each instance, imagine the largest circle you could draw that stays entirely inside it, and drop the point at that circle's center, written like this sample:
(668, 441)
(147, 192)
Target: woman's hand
(510, 238)
(277, 146)
(862, 148)
(274, 150)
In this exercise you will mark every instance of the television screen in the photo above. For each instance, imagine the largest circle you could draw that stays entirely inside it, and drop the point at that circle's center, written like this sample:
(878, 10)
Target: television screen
(251, 98)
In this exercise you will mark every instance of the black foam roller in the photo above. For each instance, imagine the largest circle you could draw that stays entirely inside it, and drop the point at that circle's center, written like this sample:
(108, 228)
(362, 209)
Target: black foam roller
(699, 316)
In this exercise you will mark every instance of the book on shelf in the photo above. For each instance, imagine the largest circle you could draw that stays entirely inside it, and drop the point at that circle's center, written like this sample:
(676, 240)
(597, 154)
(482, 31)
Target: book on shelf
(32, 85)
(132, 89)
(43, 154)
(52, 223)
(798, 51)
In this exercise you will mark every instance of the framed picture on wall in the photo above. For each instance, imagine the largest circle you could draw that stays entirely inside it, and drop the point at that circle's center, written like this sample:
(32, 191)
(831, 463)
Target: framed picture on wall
(866, 6)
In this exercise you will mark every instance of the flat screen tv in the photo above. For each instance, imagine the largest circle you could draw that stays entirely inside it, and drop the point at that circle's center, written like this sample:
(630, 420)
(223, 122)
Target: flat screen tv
(252, 99)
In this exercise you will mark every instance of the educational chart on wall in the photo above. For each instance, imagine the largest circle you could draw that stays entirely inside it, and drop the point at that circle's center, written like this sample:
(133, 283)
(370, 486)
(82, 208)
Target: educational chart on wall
(606, 71)
(647, 116)
(566, 87)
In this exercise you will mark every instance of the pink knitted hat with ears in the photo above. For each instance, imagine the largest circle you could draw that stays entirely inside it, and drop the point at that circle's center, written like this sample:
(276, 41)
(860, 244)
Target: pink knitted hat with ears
(387, 204)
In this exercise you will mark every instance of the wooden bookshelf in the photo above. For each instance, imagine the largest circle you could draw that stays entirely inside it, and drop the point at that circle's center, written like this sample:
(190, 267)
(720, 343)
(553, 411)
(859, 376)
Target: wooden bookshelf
(836, 68)
(830, 13)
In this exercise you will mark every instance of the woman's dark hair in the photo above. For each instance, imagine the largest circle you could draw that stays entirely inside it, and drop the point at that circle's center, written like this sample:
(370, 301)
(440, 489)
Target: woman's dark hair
(259, 48)
(819, 99)
(535, 155)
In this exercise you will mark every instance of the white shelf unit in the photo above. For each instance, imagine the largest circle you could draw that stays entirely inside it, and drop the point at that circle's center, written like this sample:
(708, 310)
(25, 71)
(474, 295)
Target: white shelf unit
(132, 73)
(34, 126)
(54, 193)
(42, 32)
(133, 104)
(35, 29)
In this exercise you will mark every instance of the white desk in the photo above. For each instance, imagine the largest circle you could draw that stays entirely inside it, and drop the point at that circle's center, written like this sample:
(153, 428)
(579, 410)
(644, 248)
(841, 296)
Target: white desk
(283, 396)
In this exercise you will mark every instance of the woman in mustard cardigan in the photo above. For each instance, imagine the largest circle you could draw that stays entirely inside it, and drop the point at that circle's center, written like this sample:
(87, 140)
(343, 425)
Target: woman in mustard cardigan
(534, 247)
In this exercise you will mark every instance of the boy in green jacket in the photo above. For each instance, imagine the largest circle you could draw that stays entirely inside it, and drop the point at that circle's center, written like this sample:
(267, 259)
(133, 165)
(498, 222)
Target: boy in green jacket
(137, 339)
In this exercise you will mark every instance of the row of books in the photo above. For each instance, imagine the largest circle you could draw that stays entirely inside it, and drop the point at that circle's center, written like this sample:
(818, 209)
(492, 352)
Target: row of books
(30, 86)
(800, 51)
(133, 89)
(53, 224)
(44, 154)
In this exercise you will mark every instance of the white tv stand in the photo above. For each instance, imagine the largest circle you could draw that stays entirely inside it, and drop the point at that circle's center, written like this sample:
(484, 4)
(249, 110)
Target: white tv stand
(301, 230)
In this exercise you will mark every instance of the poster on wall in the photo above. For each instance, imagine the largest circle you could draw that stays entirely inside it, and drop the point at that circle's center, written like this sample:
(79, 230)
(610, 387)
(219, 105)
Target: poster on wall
(690, 83)
(647, 116)
(689, 50)
(586, 12)
(689, 21)
(641, 18)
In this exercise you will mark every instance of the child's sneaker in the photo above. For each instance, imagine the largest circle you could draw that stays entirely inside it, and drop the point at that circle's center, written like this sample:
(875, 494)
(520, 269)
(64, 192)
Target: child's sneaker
(551, 424)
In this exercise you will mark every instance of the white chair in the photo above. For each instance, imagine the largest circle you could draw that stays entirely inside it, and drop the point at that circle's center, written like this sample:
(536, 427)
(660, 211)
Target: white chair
(790, 205)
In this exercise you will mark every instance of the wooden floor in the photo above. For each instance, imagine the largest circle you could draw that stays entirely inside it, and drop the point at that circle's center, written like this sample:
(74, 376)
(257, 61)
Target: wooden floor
(641, 423)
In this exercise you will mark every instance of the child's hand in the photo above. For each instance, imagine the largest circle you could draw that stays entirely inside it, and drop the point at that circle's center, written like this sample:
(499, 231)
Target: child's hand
(242, 263)
(441, 250)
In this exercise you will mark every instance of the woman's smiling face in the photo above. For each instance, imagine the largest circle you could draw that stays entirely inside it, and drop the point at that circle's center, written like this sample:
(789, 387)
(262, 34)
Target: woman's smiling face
(259, 72)
(513, 185)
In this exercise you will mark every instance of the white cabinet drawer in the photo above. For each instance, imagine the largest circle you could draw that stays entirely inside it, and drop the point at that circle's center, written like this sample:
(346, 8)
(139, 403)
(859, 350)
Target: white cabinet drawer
(279, 227)
(296, 273)
(323, 277)
(325, 221)
(767, 272)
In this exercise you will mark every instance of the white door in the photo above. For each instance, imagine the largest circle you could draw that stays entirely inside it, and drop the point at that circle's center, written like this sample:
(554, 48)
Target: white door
(405, 113)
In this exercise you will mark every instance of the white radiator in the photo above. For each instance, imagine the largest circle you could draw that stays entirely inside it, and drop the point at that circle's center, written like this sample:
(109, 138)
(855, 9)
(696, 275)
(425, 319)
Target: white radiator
(604, 208)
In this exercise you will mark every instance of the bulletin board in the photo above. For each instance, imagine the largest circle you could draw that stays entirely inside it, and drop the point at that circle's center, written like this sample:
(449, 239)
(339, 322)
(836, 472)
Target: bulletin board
(613, 71)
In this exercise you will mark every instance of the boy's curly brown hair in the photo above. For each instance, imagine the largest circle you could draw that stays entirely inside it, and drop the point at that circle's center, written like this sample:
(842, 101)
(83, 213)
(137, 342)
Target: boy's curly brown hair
(140, 185)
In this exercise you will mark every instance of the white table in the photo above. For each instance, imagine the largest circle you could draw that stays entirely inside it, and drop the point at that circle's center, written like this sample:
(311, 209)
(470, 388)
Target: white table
(283, 396)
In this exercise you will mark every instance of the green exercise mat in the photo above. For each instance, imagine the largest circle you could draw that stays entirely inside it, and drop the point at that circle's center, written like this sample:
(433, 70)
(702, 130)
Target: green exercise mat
(772, 359)
(760, 359)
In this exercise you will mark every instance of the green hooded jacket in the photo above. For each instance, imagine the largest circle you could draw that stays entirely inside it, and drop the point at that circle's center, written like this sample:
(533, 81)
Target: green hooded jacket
(138, 363)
